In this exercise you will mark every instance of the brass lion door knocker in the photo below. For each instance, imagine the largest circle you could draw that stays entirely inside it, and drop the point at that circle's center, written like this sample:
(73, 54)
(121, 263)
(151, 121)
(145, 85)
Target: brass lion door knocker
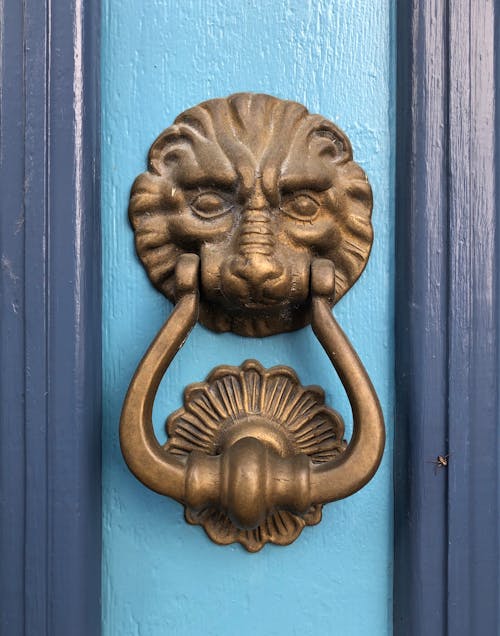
(252, 218)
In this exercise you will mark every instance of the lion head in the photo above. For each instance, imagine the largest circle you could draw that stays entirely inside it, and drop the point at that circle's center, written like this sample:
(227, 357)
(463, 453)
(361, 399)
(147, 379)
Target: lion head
(258, 187)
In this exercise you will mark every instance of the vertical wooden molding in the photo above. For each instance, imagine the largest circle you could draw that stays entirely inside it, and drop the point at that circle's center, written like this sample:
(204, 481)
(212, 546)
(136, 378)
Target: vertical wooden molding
(447, 519)
(473, 317)
(50, 321)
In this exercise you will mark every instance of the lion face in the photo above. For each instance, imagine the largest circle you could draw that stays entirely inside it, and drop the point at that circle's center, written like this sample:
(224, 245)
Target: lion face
(258, 188)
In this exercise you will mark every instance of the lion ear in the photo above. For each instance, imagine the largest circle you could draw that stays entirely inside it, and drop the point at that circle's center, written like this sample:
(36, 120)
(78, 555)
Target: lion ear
(152, 194)
(332, 142)
(150, 200)
(146, 195)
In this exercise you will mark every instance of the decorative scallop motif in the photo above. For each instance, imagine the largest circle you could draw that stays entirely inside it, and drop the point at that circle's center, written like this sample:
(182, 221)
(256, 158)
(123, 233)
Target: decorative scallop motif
(295, 416)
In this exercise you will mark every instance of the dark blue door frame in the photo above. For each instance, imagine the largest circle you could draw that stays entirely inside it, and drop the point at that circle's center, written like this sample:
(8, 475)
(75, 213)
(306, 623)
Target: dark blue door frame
(50, 387)
(447, 518)
(446, 524)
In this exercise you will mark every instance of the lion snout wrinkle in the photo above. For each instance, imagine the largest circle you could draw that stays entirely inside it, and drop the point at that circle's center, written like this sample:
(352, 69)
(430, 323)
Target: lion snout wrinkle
(254, 265)
(255, 235)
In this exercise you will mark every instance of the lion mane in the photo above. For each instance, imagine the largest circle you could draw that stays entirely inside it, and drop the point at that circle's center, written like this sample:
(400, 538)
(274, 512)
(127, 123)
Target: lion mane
(258, 187)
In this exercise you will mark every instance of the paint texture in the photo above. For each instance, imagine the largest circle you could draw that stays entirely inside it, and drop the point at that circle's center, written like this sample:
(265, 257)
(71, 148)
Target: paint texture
(161, 576)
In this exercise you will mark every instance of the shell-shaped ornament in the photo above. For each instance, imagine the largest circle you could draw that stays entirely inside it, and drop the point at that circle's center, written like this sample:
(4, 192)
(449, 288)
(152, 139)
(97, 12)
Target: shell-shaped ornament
(270, 404)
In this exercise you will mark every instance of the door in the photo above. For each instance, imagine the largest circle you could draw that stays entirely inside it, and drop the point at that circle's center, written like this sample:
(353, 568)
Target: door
(161, 575)
(158, 574)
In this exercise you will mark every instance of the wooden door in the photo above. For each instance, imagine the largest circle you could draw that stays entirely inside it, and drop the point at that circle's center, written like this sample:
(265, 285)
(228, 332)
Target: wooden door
(417, 91)
(160, 574)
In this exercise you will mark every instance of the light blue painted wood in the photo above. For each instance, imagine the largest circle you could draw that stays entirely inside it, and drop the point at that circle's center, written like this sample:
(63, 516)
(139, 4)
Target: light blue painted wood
(161, 576)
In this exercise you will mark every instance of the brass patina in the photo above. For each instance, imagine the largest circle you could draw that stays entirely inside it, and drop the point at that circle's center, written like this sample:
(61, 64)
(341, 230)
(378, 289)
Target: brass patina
(252, 217)
(257, 187)
(226, 415)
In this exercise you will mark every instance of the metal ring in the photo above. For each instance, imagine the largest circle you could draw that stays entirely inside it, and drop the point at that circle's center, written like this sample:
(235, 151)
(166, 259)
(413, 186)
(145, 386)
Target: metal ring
(250, 479)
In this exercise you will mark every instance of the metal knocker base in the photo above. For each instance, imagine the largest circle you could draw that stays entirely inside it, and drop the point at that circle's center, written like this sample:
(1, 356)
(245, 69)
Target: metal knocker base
(256, 230)
(264, 413)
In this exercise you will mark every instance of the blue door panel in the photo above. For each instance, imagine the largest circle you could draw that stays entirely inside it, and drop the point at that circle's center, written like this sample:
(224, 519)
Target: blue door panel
(159, 574)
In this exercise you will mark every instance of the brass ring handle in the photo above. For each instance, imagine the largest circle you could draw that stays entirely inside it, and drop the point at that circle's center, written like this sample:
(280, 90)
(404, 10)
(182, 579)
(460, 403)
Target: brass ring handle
(345, 476)
(250, 479)
(162, 472)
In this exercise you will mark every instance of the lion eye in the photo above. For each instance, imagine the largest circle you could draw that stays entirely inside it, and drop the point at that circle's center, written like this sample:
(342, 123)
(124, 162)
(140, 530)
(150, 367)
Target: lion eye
(301, 206)
(210, 204)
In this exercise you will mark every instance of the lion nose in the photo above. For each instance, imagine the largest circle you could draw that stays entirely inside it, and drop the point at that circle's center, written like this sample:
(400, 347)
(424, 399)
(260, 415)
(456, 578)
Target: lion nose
(256, 269)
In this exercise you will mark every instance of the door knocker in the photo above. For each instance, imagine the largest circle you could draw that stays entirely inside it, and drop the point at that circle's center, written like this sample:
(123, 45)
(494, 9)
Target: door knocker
(252, 218)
